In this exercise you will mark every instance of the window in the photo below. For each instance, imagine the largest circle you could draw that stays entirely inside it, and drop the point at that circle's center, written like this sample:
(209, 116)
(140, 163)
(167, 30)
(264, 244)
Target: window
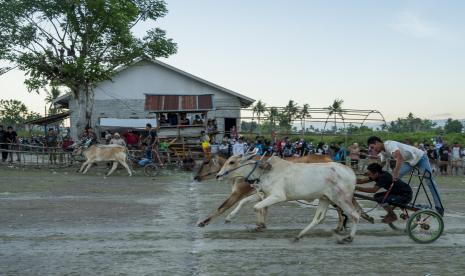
(178, 102)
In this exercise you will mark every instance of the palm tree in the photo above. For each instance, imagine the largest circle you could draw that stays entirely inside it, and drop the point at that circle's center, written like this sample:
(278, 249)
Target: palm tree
(289, 113)
(51, 96)
(259, 109)
(336, 110)
(273, 113)
(304, 113)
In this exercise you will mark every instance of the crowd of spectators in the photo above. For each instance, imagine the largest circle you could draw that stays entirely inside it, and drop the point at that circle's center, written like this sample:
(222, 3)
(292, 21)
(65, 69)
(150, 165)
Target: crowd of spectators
(445, 159)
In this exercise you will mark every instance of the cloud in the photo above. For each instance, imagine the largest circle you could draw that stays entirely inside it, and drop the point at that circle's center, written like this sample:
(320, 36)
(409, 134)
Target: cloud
(412, 24)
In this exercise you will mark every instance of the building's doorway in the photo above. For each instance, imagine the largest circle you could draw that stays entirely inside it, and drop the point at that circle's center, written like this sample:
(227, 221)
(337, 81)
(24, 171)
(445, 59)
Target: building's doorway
(229, 123)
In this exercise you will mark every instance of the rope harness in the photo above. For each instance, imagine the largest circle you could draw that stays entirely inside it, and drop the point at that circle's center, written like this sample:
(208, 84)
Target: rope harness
(247, 178)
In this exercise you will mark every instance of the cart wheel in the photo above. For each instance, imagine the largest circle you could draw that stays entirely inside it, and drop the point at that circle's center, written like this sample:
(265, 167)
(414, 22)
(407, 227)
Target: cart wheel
(151, 170)
(425, 226)
(401, 223)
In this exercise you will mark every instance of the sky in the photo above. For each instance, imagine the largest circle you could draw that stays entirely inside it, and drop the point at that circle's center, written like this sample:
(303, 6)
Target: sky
(393, 56)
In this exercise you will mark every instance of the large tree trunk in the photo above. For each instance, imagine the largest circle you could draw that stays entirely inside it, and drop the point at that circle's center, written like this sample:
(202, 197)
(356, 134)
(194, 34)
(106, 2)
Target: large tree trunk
(84, 107)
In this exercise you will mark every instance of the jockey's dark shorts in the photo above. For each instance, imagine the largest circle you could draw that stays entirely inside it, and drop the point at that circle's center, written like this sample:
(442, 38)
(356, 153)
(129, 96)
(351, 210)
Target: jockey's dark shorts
(393, 198)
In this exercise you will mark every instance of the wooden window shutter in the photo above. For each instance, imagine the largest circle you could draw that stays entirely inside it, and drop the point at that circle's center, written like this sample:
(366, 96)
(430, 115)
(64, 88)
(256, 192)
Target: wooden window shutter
(153, 102)
(171, 102)
(205, 102)
(189, 102)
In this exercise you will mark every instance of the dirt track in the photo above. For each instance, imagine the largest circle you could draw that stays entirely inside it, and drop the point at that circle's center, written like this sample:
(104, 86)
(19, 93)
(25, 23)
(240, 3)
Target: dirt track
(59, 222)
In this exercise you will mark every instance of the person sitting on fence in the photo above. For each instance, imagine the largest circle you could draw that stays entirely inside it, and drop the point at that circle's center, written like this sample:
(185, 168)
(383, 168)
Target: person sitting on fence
(397, 191)
(407, 157)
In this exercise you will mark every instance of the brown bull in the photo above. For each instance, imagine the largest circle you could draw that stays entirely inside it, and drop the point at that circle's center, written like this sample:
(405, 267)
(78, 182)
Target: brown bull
(103, 153)
(240, 187)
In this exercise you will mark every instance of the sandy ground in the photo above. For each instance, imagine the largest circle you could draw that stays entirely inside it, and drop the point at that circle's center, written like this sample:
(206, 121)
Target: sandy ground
(62, 223)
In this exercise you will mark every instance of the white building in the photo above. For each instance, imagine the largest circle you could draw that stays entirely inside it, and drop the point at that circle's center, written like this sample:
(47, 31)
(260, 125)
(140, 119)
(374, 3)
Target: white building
(148, 89)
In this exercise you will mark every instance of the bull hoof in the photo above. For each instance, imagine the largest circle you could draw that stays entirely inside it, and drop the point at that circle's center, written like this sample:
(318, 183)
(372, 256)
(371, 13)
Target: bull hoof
(296, 240)
(201, 224)
(345, 240)
(260, 228)
(338, 230)
(227, 221)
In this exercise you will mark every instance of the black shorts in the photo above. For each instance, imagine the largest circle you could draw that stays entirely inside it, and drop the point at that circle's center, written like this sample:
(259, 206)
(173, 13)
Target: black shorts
(393, 198)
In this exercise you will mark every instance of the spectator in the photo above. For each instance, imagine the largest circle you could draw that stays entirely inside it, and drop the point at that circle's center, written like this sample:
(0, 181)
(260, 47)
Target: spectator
(197, 120)
(51, 142)
(234, 134)
(320, 150)
(3, 144)
(205, 142)
(132, 140)
(184, 121)
(354, 155)
(117, 140)
(259, 146)
(88, 136)
(212, 129)
(462, 153)
(455, 159)
(163, 120)
(173, 119)
(433, 158)
(150, 140)
(66, 143)
(224, 148)
(108, 137)
(239, 147)
(12, 140)
(444, 152)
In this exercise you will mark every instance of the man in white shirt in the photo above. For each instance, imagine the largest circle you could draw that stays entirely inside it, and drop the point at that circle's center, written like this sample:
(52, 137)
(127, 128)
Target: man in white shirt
(239, 147)
(406, 158)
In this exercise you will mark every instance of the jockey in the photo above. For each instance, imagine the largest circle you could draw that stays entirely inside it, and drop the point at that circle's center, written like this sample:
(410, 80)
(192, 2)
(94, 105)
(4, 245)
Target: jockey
(397, 192)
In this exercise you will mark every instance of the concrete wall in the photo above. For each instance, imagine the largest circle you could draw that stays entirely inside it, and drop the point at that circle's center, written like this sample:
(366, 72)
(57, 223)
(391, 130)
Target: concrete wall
(124, 95)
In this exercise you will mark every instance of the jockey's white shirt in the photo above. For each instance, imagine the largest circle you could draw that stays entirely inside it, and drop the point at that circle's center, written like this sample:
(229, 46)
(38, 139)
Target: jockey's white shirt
(409, 153)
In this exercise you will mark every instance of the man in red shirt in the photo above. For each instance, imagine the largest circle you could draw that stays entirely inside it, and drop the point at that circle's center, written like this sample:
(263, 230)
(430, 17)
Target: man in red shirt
(132, 140)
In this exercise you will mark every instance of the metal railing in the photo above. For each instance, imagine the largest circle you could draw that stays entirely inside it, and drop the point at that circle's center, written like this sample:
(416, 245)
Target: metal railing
(24, 154)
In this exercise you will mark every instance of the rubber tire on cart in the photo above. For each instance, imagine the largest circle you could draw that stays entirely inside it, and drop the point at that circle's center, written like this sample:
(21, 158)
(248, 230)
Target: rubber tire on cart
(151, 170)
(421, 222)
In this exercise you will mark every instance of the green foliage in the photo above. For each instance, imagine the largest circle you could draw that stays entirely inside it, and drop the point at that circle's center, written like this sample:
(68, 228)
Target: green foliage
(411, 124)
(52, 95)
(288, 114)
(247, 127)
(78, 43)
(453, 126)
(14, 113)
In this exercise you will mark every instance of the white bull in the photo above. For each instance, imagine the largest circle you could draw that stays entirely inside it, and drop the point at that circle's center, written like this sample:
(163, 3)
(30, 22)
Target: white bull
(103, 153)
(281, 181)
